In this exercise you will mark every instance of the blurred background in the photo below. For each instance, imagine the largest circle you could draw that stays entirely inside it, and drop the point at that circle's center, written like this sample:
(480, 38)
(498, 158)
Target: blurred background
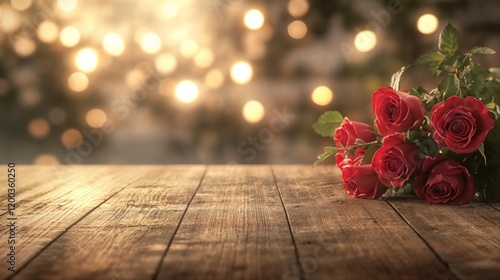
(207, 81)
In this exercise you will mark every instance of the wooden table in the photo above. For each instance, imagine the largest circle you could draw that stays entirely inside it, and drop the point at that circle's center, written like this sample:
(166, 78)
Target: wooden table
(236, 222)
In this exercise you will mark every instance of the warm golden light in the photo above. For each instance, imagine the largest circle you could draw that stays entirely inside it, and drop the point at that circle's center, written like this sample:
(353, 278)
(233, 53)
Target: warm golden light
(365, 41)
(214, 79)
(186, 91)
(204, 58)
(298, 8)
(150, 43)
(241, 72)
(113, 44)
(297, 29)
(254, 19)
(71, 138)
(170, 9)
(166, 63)
(134, 78)
(86, 60)
(96, 118)
(38, 128)
(47, 32)
(322, 96)
(24, 47)
(66, 5)
(46, 159)
(70, 36)
(9, 20)
(427, 24)
(253, 111)
(189, 48)
(78, 82)
(21, 5)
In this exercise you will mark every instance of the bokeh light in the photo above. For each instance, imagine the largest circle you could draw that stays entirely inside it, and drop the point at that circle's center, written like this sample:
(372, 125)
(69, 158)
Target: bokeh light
(165, 63)
(86, 60)
(46, 159)
(67, 5)
(71, 138)
(297, 29)
(253, 111)
(21, 5)
(150, 43)
(113, 44)
(214, 79)
(70, 36)
(96, 118)
(365, 41)
(186, 91)
(254, 19)
(170, 9)
(38, 128)
(427, 24)
(241, 72)
(47, 32)
(24, 46)
(322, 96)
(298, 8)
(78, 82)
(189, 48)
(204, 58)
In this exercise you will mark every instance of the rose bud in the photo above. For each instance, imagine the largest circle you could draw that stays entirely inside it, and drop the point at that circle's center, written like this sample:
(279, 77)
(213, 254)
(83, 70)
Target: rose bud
(347, 133)
(444, 180)
(361, 181)
(395, 161)
(396, 111)
(461, 124)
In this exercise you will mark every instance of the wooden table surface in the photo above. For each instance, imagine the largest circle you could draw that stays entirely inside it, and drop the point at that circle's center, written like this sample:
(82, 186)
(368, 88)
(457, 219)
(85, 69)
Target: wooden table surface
(236, 222)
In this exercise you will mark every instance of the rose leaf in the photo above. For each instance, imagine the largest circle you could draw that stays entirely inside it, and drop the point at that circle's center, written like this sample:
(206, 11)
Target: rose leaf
(449, 40)
(328, 152)
(396, 78)
(327, 123)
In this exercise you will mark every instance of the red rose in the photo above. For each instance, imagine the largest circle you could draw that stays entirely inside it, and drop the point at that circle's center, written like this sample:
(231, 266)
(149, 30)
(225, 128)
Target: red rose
(347, 133)
(444, 181)
(395, 161)
(361, 181)
(461, 124)
(342, 159)
(396, 111)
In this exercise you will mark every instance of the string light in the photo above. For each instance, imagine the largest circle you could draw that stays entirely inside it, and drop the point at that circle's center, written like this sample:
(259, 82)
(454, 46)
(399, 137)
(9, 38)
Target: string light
(21, 5)
(322, 95)
(186, 91)
(70, 36)
(214, 79)
(113, 44)
(38, 128)
(71, 138)
(66, 5)
(241, 72)
(254, 19)
(365, 41)
(298, 8)
(253, 111)
(150, 43)
(96, 118)
(86, 60)
(297, 29)
(166, 63)
(427, 24)
(78, 82)
(47, 32)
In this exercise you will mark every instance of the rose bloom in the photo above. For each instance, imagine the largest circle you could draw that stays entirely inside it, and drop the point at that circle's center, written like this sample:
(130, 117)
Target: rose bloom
(347, 133)
(461, 124)
(342, 158)
(444, 180)
(361, 181)
(396, 160)
(396, 111)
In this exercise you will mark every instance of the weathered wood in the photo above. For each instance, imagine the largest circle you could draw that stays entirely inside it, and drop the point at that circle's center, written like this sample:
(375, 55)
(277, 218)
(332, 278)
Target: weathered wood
(338, 237)
(126, 237)
(466, 237)
(235, 228)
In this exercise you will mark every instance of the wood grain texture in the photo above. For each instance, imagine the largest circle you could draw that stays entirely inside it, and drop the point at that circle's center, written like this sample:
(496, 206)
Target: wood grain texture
(338, 237)
(126, 237)
(235, 228)
(466, 237)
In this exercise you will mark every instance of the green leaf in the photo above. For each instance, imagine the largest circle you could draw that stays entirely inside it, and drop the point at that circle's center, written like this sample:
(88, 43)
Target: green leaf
(487, 182)
(481, 151)
(396, 78)
(428, 146)
(449, 86)
(454, 61)
(418, 92)
(475, 82)
(327, 123)
(328, 152)
(429, 60)
(482, 50)
(370, 151)
(449, 40)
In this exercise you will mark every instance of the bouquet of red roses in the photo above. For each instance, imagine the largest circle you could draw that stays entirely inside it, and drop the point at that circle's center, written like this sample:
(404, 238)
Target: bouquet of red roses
(442, 145)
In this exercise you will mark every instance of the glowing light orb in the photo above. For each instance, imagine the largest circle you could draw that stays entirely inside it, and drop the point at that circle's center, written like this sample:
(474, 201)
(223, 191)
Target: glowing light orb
(166, 63)
(78, 82)
(297, 29)
(47, 32)
(241, 72)
(322, 96)
(254, 19)
(253, 111)
(86, 60)
(70, 36)
(365, 41)
(150, 43)
(186, 91)
(96, 118)
(427, 24)
(113, 44)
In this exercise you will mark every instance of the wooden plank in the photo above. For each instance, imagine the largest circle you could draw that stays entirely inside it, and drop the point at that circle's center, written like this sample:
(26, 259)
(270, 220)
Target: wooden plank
(465, 237)
(125, 237)
(42, 219)
(339, 237)
(235, 228)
